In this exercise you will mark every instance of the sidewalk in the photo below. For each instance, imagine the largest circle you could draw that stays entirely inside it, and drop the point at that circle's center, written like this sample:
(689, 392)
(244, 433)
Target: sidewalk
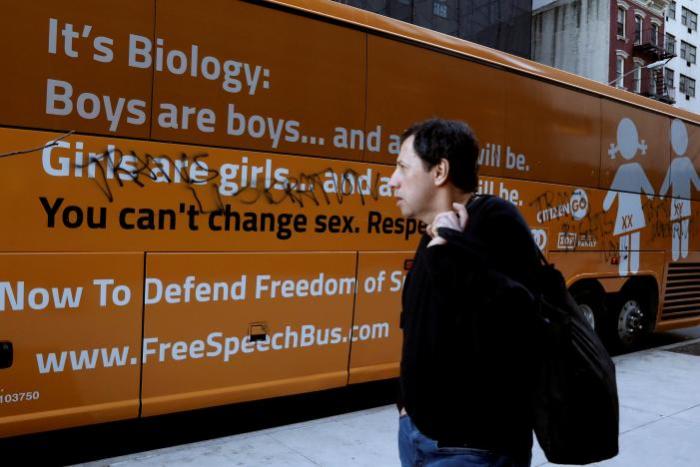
(659, 426)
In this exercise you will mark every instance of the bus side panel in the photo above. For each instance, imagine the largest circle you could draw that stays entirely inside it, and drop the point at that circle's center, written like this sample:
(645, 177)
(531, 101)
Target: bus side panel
(148, 204)
(202, 310)
(74, 322)
(283, 82)
(546, 124)
(407, 83)
(578, 219)
(578, 265)
(83, 83)
(376, 343)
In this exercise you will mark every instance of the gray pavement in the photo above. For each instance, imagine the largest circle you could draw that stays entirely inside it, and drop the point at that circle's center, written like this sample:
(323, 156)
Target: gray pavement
(659, 426)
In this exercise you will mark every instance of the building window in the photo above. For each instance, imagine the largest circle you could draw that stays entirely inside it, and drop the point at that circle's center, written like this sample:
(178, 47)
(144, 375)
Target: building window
(686, 86)
(440, 8)
(691, 53)
(621, 21)
(671, 43)
(653, 75)
(619, 72)
(689, 19)
(638, 29)
(672, 10)
(687, 52)
(638, 79)
(668, 78)
(654, 34)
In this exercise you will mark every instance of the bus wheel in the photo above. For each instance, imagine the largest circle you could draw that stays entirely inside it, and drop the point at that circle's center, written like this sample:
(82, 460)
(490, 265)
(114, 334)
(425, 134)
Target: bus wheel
(629, 322)
(588, 313)
(590, 304)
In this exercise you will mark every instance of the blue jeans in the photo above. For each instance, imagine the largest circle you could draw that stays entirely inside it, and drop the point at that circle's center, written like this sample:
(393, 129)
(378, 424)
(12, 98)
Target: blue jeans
(417, 450)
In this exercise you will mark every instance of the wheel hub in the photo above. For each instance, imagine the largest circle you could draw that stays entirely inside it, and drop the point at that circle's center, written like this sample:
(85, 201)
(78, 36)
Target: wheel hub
(630, 323)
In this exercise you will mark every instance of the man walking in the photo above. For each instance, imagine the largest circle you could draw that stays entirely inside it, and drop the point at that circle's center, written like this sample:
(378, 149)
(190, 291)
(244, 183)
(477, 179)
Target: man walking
(465, 365)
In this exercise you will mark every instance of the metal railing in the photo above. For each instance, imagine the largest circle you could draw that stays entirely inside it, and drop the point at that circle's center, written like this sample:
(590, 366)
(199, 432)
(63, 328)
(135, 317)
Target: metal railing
(651, 44)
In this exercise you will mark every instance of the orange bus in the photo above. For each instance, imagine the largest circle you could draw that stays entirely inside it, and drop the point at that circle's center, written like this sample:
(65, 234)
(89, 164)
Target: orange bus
(196, 208)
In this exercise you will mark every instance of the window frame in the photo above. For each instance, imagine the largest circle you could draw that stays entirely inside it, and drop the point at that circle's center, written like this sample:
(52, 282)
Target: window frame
(440, 9)
(670, 39)
(692, 51)
(624, 21)
(620, 71)
(669, 73)
(637, 79)
(686, 85)
(689, 19)
(690, 87)
(638, 28)
(688, 52)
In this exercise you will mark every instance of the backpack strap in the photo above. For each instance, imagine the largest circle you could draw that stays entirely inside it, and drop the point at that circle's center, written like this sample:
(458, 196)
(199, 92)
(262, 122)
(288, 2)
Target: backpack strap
(543, 258)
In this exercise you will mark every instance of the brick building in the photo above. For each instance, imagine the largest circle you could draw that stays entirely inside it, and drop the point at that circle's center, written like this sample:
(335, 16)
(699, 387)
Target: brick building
(637, 40)
(619, 42)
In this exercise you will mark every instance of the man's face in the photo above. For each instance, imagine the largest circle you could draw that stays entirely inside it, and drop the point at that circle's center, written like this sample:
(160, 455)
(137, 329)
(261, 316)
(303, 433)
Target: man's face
(414, 187)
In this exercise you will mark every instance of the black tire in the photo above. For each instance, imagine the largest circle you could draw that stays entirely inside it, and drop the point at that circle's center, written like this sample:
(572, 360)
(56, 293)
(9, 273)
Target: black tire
(629, 321)
(591, 305)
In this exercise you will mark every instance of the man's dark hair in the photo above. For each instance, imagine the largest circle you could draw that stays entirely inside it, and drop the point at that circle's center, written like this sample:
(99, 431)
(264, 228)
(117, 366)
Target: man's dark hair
(437, 139)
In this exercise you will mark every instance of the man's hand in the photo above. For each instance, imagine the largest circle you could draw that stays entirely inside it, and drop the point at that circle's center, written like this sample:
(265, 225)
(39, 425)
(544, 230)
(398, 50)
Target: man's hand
(455, 220)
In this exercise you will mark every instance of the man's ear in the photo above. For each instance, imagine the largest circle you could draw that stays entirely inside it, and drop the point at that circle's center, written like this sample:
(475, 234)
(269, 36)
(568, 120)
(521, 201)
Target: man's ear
(441, 172)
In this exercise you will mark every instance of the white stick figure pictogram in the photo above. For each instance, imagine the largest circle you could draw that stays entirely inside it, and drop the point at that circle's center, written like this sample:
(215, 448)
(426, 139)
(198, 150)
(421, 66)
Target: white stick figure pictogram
(629, 182)
(681, 174)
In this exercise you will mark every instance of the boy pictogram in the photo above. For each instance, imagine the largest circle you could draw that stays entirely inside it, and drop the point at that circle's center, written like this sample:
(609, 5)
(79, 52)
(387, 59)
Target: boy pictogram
(681, 174)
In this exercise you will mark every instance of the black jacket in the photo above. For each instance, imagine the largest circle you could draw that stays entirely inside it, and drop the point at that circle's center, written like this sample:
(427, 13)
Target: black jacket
(465, 365)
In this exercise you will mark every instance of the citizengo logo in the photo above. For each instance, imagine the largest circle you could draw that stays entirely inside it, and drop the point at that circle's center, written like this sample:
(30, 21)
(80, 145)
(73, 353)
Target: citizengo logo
(579, 204)
(575, 206)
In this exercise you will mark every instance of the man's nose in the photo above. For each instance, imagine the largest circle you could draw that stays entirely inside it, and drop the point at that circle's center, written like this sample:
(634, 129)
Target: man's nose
(394, 180)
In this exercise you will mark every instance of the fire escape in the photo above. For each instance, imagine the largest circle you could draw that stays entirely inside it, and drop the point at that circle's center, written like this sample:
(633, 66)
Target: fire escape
(649, 46)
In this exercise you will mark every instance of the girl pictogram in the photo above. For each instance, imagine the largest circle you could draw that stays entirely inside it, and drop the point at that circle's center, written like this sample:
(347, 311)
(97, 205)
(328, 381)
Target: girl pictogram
(681, 174)
(629, 182)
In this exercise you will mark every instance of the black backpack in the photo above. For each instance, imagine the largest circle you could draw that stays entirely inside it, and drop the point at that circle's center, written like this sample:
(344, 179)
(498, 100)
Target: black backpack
(575, 400)
(575, 403)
